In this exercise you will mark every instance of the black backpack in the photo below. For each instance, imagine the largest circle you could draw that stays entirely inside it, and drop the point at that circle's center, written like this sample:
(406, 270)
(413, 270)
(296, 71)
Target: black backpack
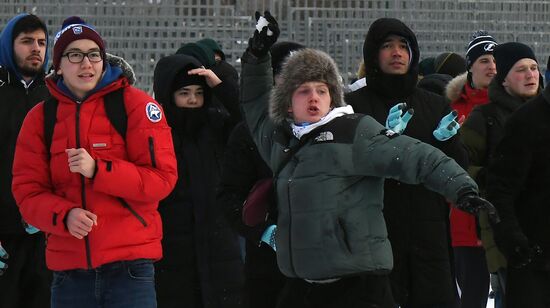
(114, 107)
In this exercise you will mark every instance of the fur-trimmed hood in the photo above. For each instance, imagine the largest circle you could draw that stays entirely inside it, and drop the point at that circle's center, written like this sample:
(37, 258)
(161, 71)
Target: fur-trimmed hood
(303, 66)
(455, 86)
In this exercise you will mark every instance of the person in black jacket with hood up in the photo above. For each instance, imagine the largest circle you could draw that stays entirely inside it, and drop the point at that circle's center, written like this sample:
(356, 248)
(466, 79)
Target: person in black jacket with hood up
(417, 219)
(202, 264)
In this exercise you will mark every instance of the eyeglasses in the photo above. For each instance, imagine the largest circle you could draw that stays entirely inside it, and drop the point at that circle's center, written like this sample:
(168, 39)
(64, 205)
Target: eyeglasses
(78, 56)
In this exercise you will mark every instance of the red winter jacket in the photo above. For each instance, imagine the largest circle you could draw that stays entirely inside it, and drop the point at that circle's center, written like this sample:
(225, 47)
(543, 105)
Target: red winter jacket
(133, 174)
(464, 98)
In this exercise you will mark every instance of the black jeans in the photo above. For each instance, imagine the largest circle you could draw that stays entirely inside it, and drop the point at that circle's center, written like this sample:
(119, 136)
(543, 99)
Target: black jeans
(472, 276)
(365, 291)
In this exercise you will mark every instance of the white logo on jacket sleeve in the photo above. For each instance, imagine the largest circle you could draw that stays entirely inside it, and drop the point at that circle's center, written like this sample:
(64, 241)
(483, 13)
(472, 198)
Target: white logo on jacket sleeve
(154, 114)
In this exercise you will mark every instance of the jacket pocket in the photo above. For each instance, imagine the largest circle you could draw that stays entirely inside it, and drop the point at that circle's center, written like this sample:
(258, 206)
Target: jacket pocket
(133, 212)
(342, 234)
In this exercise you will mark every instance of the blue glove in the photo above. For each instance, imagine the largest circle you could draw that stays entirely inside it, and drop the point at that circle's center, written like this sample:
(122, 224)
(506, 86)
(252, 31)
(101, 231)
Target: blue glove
(30, 229)
(448, 126)
(3, 256)
(395, 121)
(269, 236)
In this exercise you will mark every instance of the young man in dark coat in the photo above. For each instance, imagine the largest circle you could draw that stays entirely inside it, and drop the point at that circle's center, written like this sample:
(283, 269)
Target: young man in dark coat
(23, 59)
(513, 133)
(417, 218)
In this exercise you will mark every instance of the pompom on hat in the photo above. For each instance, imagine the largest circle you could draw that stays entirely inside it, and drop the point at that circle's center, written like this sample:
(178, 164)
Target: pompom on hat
(74, 28)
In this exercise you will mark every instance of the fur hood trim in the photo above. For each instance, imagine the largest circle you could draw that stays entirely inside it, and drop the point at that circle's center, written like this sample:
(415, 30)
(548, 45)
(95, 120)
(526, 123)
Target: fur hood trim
(303, 66)
(455, 86)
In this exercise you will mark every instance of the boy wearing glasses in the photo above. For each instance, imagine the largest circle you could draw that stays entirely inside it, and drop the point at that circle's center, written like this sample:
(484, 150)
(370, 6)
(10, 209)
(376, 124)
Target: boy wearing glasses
(94, 192)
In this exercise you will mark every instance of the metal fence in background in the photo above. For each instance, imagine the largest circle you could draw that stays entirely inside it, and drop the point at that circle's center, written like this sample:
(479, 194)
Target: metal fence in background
(143, 31)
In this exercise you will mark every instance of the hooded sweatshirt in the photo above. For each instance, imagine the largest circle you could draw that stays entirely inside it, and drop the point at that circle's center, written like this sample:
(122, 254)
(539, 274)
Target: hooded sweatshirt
(16, 99)
(6, 48)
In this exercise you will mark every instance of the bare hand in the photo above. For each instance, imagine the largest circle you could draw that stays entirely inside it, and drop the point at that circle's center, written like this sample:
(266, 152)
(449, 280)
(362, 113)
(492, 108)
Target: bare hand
(212, 79)
(81, 162)
(80, 222)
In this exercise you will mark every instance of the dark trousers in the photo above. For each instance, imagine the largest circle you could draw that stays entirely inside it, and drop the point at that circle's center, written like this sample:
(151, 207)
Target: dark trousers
(26, 281)
(527, 287)
(472, 276)
(178, 288)
(262, 292)
(365, 291)
(123, 284)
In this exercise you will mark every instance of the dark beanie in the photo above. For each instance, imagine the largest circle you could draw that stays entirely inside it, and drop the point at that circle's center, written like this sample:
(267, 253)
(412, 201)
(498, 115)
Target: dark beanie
(507, 54)
(200, 52)
(212, 45)
(74, 28)
(426, 66)
(279, 51)
(450, 63)
(481, 43)
(182, 79)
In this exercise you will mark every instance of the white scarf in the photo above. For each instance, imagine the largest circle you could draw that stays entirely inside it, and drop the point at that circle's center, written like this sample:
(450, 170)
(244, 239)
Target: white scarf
(299, 131)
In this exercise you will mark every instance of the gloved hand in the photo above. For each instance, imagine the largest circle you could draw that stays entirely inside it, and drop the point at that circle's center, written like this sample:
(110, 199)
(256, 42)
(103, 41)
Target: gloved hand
(30, 229)
(3, 257)
(448, 126)
(515, 245)
(395, 121)
(266, 34)
(269, 236)
(471, 203)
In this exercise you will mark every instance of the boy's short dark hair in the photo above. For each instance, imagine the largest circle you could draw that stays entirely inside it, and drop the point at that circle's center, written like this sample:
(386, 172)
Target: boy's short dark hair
(29, 23)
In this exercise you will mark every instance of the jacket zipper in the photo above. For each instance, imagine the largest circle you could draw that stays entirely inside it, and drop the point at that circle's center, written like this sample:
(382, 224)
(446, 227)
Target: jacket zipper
(82, 185)
(152, 151)
(129, 208)
(290, 229)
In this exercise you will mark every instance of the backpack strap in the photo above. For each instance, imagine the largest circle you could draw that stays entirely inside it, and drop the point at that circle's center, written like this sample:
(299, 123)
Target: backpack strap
(116, 111)
(114, 107)
(50, 117)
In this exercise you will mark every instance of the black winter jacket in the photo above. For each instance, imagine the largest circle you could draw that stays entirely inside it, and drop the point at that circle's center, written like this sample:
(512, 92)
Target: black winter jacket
(417, 219)
(518, 177)
(16, 101)
(197, 236)
(242, 168)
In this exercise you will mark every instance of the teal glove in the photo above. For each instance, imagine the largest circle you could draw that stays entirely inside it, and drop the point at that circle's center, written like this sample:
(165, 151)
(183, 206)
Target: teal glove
(30, 229)
(3, 256)
(269, 236)
(395, 121)
(448, 126)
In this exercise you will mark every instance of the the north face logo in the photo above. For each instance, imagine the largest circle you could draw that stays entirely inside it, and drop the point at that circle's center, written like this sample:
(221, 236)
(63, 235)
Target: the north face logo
(324, 136)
